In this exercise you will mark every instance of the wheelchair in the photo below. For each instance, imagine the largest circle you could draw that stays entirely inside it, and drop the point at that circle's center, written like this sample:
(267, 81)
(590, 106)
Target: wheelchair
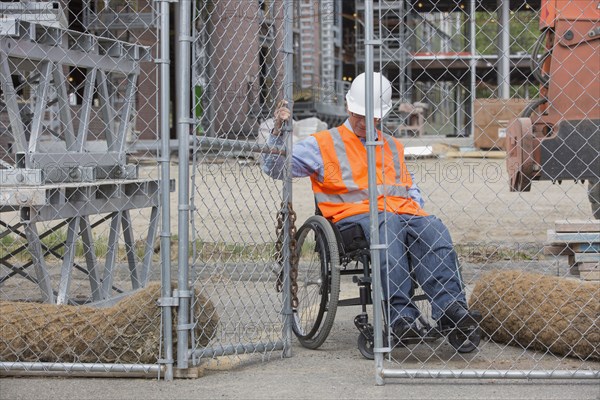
(324, 254)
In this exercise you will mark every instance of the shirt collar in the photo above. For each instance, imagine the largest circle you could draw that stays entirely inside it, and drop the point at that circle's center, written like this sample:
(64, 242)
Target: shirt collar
(347, 125)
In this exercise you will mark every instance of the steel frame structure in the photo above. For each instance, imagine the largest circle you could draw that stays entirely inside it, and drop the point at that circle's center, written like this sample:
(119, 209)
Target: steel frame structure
(71, 181)
(40, 54)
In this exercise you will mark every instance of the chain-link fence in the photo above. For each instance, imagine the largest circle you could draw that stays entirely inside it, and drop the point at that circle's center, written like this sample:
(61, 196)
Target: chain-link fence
(520, 79)
(79, 187)
(461, 72)
(494, 116)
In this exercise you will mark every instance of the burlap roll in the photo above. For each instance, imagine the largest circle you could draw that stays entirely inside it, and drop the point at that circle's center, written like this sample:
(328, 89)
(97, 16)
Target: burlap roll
(128, 332)
(540, 312)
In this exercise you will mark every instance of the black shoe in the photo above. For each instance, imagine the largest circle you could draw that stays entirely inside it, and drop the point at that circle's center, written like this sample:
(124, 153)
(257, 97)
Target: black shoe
(405, 328)
(457, 316)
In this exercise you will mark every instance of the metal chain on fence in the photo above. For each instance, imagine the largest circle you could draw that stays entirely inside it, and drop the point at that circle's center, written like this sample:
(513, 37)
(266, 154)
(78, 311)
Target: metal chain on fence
(279, 256)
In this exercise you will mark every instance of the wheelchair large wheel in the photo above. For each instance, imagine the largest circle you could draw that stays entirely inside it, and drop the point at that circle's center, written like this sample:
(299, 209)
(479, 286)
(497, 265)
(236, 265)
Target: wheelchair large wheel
(318, 282)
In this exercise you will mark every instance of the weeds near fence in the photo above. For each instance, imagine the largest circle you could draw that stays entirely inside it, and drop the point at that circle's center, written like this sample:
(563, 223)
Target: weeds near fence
(15, 247)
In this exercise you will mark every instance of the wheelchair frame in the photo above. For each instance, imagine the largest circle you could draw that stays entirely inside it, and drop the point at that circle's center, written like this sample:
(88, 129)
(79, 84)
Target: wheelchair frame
(336, 250)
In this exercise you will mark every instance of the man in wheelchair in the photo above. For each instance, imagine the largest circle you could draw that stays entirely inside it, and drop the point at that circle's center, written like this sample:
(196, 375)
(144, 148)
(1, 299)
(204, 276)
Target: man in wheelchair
(420, 246)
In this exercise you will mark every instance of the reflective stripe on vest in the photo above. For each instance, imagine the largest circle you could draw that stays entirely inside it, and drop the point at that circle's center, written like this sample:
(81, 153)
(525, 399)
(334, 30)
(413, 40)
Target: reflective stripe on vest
(392, 145)
(358, 196)
(345, 166)
(344, 163)
(346, 169)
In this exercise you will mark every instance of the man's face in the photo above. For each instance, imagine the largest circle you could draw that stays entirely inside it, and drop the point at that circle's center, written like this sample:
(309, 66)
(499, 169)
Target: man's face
(359, 125)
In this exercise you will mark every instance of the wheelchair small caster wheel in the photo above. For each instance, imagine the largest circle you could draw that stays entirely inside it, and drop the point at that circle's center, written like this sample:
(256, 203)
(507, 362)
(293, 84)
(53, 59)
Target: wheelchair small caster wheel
(365, 345)
(465, 340)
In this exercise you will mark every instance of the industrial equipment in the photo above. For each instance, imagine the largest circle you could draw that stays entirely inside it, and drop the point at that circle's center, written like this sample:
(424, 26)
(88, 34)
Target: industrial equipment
(557, 136)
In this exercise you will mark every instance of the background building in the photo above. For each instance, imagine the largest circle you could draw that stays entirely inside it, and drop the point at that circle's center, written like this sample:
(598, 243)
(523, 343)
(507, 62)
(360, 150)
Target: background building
(428, 51)
(446, 53)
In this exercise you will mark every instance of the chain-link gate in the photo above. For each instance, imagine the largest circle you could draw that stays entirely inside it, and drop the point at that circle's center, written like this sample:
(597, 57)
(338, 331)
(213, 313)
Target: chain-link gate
(79, 188)
(239, 57)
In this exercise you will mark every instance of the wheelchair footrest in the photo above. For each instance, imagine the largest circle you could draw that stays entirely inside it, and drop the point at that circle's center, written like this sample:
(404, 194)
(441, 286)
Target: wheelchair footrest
(468, 324)
(431, 334)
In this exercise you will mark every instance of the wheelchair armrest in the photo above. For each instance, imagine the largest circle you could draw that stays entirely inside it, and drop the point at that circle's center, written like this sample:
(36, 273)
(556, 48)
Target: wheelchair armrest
(350, 239)
(353, 238)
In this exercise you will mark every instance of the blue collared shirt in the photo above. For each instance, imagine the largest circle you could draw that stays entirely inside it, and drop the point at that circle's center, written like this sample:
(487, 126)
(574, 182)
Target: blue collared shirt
(307, 161)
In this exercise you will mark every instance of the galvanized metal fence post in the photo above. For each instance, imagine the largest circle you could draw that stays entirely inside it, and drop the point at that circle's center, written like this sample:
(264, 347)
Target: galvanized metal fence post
(288, 94)
(165, 176)
(184, 127)
(371, 144)
(472, 67)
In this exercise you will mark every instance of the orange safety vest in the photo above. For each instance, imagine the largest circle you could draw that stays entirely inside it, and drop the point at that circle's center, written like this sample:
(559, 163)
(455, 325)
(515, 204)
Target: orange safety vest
(343, 191)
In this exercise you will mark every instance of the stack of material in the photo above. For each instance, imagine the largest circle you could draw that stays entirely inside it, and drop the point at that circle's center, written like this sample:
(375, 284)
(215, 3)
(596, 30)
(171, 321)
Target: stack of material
(540, 312)
(580, 242)
(128, 332)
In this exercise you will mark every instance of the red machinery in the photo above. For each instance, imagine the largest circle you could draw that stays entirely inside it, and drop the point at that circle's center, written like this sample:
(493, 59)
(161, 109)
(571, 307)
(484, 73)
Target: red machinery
(558, 136)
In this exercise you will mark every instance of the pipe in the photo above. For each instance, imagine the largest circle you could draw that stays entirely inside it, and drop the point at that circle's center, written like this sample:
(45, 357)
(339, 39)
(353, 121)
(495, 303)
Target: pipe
(211, 352)
(184, 126)
(489, 374)
(372, 179)
(504, 50)
(165, 179)
(79, 369)
(472, 67)
(288, 95)
(207, 143)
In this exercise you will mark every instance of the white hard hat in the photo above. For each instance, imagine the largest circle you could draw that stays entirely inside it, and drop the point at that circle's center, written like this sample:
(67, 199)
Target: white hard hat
(382, 96)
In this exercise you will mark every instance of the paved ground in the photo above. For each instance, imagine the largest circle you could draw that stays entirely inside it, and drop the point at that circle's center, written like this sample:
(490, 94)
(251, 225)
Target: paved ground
(279, 380)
